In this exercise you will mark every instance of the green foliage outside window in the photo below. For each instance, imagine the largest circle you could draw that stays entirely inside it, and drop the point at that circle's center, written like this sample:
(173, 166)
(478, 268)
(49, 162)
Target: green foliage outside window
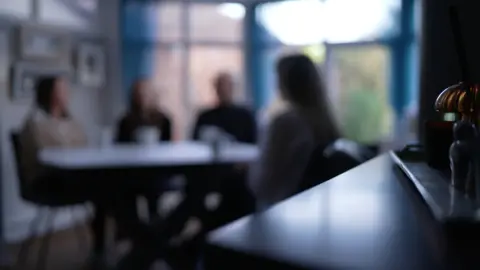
(364, 111)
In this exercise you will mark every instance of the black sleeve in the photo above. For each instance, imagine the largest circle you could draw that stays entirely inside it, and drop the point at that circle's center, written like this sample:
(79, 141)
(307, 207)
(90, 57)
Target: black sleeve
(251, 126)
(196, 129)
(166, 130)
(123, 134)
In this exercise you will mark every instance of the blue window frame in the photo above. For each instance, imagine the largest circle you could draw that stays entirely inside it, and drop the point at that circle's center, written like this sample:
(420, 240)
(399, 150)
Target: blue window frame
(138, 45)
(397, 36)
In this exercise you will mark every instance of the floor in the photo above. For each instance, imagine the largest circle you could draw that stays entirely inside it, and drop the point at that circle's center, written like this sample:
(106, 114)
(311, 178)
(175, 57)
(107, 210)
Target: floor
(65, 251)
(68, 253)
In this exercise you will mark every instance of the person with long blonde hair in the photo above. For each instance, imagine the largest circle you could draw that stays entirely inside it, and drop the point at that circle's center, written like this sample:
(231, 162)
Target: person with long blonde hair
(303, 123)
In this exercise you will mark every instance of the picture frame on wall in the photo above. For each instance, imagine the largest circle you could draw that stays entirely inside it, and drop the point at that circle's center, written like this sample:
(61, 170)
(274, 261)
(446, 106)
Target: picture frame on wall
(24, 79)
(43, 44)
(91, 65)
(72, 14)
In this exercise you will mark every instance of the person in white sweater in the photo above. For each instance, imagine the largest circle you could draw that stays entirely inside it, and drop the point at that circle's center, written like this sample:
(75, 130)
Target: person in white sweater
(303, 123)
(50, 124)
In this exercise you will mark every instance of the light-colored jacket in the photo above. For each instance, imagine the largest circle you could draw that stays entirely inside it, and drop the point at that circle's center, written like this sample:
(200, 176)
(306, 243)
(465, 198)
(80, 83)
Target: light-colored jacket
(40, 131)
(286, 148)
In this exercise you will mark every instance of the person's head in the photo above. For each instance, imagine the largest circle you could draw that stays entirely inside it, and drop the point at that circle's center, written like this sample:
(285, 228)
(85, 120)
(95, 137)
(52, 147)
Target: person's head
(301, 87)
(52, 95)
(224, 87)
(140, 95)
(299, 80)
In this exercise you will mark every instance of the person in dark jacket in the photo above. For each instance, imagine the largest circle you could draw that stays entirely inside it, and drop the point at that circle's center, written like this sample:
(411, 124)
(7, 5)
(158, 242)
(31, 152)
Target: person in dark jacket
(228, 182)
(143, 115)
(235, 120)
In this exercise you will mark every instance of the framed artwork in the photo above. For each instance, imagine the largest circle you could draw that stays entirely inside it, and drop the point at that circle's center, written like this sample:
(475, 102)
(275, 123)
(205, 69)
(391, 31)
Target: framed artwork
(39, 43)
(91, 65)
(25, 76)
(75, 14)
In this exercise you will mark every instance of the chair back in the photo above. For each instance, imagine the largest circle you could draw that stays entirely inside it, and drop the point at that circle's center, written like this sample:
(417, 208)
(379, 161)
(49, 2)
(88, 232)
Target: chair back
(344, 155)
(355, 150)
(332, 160)
(316, 171)
(17, 150)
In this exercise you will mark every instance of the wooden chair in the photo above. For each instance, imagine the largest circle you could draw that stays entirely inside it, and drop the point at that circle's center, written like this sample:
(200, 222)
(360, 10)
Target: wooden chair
(49, 207)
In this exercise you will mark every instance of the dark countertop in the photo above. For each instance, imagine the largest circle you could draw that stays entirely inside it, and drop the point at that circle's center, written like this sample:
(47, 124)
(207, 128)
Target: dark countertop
(363, 219)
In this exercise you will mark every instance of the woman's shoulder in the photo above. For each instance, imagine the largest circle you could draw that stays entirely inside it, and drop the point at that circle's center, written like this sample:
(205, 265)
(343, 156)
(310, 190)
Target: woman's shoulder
(287, 116)
(161, 116)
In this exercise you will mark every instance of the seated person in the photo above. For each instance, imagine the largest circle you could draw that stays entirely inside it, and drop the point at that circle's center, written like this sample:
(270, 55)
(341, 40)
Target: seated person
(235, 202)
(143, 115)
(293, 133)
(234, 120)
(51, 125)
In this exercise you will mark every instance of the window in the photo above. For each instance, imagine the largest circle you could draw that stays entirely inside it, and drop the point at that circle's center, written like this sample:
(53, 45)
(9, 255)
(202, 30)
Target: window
(351, 41)
(358, 86)
(169, 22)
(201, 76)
(192, 43)
(169, 65)
(222, 22)
(300, 22)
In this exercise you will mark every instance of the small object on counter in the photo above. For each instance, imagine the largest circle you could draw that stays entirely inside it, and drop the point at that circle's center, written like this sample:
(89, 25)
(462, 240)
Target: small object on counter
(463, 158)
(438, 137)
(460, 99)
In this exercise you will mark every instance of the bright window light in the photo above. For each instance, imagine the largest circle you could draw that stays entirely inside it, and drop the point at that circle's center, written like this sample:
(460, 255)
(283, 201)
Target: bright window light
(233, 11)
(292, 21)
(301, 22)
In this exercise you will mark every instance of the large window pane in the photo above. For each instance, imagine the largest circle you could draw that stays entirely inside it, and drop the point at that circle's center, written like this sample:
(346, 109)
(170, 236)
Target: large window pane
(216, 22)
(358, 78)
(167, 81)
(205, 64)
(153, 21)
(169, 21)
(300, 22)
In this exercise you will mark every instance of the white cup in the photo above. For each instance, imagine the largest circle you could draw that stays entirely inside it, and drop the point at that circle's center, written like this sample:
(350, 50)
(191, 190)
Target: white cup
(106, 136)
(147, 135)
(210, 134)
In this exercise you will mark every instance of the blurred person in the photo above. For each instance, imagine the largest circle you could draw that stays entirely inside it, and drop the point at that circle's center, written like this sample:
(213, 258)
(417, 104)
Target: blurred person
(225, 181)
(144, 114)
(230, 118)
(297, 127)
(50, 124)
(276, 106)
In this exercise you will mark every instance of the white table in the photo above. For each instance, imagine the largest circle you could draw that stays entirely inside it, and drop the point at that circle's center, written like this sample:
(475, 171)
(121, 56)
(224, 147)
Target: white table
(161, 155)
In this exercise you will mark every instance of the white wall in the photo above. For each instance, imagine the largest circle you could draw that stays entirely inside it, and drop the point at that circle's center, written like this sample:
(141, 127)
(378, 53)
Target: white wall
(88, 105)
